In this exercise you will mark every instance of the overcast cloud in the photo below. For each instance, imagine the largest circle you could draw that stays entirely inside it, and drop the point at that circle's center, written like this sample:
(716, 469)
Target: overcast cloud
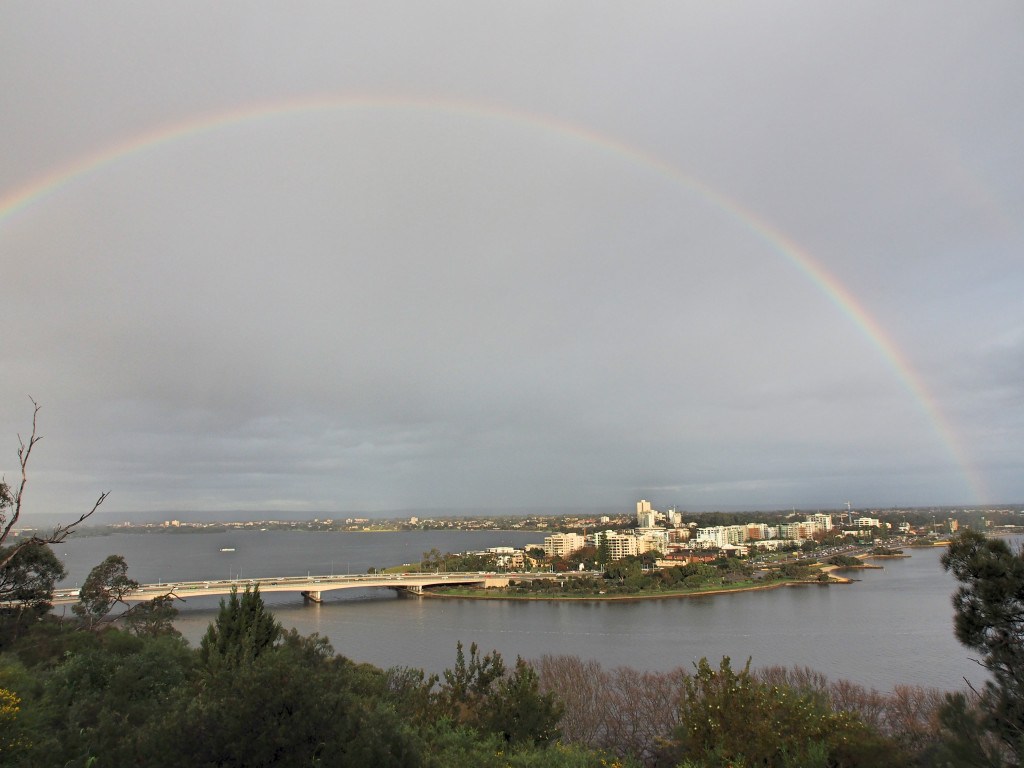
(461, 286)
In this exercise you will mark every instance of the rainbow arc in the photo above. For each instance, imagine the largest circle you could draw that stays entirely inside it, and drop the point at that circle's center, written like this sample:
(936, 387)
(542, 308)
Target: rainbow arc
(39, 189)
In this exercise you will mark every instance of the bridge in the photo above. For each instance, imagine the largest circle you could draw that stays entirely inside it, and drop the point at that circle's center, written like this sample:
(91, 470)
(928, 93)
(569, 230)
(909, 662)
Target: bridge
(313, 587)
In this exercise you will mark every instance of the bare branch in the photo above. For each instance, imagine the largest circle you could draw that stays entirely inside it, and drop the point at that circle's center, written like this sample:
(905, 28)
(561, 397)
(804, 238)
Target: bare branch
(62, 531)
(110, 617)
(24, 451)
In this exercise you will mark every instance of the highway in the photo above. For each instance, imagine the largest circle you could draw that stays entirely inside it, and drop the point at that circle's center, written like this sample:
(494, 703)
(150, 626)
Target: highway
(312, 586)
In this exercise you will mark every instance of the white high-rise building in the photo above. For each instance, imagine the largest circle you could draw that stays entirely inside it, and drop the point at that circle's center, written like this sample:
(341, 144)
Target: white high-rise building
(620, 545)
(715, 536)
(651, 540)
(823, 522)
(562, 544)
(644, 514)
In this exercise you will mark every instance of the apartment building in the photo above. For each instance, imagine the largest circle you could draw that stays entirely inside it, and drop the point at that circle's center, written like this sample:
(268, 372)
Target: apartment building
(620, 545)
(562, 544)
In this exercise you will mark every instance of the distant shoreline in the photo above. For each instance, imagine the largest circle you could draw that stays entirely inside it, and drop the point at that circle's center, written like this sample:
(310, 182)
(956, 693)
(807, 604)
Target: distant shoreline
(215, 528)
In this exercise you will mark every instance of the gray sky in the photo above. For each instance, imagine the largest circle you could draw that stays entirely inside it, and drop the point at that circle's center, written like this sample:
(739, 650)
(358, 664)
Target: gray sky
(376, 256)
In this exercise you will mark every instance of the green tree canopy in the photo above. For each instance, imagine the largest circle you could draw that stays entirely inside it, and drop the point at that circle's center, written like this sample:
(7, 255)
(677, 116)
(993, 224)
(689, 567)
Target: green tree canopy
(106, 585)
(243, 630)
(153, 617)
(520, 713)
(29, 576)
(604, 552)
(485, 695)
(729, 718)
(989, 618)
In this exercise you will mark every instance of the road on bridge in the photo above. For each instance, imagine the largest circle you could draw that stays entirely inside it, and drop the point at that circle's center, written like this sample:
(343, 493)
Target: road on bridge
(313, 586)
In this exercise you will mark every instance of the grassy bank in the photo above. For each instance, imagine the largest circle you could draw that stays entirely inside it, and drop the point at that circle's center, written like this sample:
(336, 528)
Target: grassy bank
(499, 593)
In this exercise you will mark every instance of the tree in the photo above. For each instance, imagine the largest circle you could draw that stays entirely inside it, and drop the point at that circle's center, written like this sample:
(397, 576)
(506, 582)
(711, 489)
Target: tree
(730, 718)
(11, 503)
(242, 631)
(604, 552)
(28, 577)
(989, 618)
(485, 695)
(290, 706)
(152, 618)
(106, 585)
(12, 739)
(623, 569)
(467, 686)
(111, 689)
(520, 713)
(432, 560)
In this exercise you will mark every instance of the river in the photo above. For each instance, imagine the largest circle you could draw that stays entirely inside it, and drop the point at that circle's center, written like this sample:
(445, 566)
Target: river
(893, 626)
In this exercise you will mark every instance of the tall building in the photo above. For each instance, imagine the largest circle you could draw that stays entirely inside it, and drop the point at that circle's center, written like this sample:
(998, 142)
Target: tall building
(562, 544)
(714, 536)
(622, 545)
(656, 539)
(619, 544)
(757, 531)
(679, 534)
(823, 522)
(793, 531)
(737, 534)
(644, 514)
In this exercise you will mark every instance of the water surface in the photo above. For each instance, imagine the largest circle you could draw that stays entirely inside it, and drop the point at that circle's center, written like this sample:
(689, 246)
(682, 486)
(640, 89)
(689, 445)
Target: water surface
(893, 626)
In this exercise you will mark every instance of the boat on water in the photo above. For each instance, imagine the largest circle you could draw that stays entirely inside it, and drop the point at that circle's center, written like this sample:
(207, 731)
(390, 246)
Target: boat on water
(227, 549)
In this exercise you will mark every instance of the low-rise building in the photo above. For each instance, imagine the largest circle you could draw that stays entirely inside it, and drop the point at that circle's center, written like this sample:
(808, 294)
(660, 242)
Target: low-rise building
(508, 557)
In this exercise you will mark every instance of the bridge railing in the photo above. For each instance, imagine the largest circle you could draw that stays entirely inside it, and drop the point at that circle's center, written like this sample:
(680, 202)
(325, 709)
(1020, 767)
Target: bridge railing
(308, 582)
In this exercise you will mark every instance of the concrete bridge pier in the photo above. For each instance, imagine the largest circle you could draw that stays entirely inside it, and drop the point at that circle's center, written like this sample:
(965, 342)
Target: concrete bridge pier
(312, 596)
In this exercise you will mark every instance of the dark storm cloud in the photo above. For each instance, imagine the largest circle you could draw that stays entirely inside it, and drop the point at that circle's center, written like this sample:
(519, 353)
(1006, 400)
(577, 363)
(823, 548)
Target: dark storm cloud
(414, 306)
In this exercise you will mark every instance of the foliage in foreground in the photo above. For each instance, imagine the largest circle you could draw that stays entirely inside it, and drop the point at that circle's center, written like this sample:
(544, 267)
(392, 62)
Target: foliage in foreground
(254, 695)
(117, 698)
(989, 619)
(730, 718)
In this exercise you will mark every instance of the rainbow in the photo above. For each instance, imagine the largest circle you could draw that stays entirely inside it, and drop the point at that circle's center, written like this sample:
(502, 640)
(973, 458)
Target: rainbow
(41, 188)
